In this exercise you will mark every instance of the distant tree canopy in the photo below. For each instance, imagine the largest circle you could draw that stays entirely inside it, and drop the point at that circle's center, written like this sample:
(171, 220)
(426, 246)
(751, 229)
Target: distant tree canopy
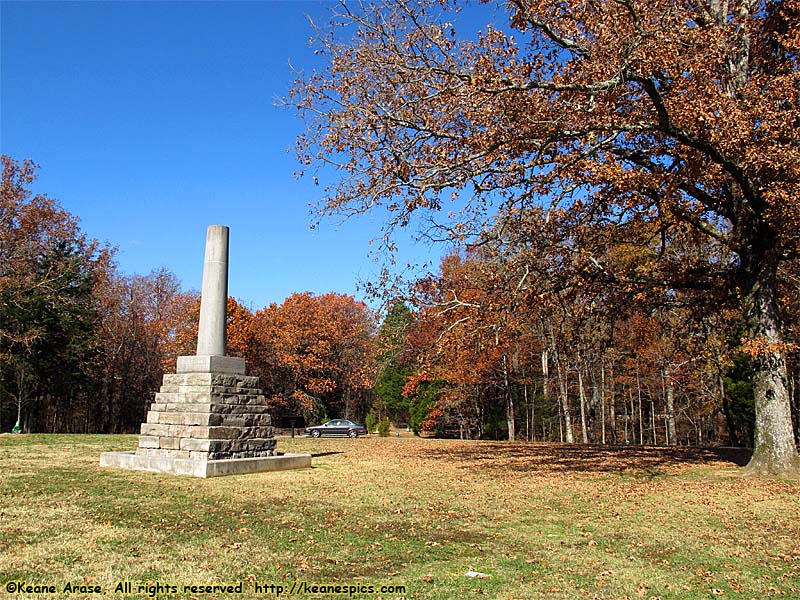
(83, 347)
(613, 152)
(315, 355)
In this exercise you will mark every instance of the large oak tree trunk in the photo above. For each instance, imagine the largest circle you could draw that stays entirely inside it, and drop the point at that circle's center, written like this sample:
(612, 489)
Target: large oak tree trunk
(774, 451)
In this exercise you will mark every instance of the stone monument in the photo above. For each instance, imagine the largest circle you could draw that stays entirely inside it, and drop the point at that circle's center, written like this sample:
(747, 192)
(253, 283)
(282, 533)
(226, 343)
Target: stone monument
(209, 418)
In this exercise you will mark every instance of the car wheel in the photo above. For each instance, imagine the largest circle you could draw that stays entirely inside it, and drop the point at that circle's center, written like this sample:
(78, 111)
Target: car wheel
(315, 433)
(352, 433)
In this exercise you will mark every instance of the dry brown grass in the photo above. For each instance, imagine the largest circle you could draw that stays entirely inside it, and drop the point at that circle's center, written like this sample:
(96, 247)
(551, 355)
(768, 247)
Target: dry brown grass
(543, 521)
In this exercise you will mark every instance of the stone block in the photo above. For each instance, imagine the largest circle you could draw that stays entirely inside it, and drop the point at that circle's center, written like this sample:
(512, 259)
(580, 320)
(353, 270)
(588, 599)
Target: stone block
(154, 429)
(176, 430)
(210, 364)
(148, 441)
(195, 445)
(170, 443)
(250, 444)
(246, 449)
(169, 389)
(237, 409)
(197, 397)
(246, 420)
(219, 468)
(258, 432)
(239, 399)
(208, 389)
(242, 420)
(190, 418)
(170, 418)
(262, 420)
(258, 444)
(224, 433)
(152, 416)
(222, 445)
(167, 453)
(210, 379)
(194, 431)
(188, 407)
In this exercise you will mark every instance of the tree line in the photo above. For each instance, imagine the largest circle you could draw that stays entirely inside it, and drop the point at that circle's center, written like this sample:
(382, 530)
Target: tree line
(495, 352)
(635, 156)
(490, 347)
(83, 346)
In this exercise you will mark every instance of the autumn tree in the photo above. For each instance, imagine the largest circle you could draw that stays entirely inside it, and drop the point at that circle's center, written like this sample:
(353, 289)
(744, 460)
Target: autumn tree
(48, 270)
(645, 123)
(315, 355)
(477, 343)
(144, 323)
(464, 348)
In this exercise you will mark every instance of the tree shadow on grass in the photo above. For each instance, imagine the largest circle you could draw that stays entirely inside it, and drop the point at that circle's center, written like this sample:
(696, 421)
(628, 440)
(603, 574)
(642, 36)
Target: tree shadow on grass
(550, 458)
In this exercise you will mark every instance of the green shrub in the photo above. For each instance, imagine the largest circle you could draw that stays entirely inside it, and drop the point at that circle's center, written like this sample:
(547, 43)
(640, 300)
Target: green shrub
(383, 427)
(371, 421)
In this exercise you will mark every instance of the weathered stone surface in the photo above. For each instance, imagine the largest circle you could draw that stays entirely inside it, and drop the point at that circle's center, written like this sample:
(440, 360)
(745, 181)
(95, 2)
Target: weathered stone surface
(204, 468)
(170, 443)
(199, 397)
(162, 452)
(211, 330)
(211, 449)
(149, 441)
(153, 429)
(210, 398)
(196, 445)
(208, 389)
(193, 417)
(160, 429)
(210, 364)
(189, 418)
(240, 409)
(245, 420)
(235, 455)
(211, 379)
(175, 418)
(223, 410)
(187, 407)
(241, 454)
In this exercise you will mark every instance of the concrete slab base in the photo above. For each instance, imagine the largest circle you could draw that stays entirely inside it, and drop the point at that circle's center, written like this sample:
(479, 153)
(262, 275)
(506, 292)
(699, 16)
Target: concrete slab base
(203, 468)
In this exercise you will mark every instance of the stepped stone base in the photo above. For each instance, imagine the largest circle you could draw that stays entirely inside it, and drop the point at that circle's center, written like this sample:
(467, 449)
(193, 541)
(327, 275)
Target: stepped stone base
(206, 424)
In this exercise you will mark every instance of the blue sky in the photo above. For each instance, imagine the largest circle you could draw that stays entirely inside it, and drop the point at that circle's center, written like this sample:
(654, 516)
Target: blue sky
(153, 120)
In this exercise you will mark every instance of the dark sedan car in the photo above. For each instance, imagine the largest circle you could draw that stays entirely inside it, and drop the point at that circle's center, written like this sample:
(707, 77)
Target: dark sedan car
(337, 427)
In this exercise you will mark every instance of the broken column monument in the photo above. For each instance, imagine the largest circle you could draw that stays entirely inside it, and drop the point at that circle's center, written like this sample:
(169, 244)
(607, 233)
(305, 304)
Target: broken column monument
(209, 418)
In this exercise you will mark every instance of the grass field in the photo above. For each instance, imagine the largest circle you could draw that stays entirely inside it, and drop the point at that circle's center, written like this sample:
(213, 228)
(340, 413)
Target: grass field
(540, 521)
